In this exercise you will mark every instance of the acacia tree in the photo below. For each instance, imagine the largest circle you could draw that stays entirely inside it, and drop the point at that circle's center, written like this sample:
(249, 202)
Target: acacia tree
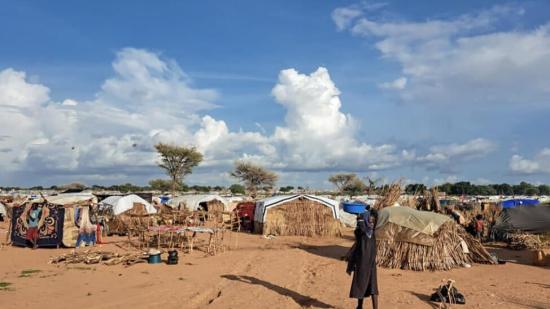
(348, 184)
(254, 176)
(341, 180)
(177, 161)
(162, 185)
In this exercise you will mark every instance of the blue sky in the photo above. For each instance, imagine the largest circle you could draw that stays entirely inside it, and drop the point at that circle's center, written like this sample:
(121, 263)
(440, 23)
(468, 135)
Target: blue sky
(432, 92)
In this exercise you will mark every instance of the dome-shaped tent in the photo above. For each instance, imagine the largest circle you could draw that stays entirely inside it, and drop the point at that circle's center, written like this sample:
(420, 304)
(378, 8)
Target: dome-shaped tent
(121, 204)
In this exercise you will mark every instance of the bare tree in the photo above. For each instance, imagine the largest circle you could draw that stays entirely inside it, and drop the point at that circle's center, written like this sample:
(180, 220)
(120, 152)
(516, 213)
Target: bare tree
(254, 176)
(177, 161)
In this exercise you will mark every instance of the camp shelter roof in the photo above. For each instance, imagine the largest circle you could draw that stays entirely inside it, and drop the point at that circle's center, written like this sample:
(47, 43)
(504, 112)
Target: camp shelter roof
(193, 201)
(263, 205)
(534, 219)
(66, 199)
(421, 221)
(519, 202)
(122, 204)
(3, 210)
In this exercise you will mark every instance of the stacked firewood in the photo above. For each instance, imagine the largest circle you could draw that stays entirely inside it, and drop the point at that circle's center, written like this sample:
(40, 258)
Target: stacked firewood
(521, 241)
(99, 257)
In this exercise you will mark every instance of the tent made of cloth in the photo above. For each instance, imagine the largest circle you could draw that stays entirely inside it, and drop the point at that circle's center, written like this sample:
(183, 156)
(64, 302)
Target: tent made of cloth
(535, 219)
(197, 201)
(121, 204)
(262, 206)
(421, 221)
(66, 199)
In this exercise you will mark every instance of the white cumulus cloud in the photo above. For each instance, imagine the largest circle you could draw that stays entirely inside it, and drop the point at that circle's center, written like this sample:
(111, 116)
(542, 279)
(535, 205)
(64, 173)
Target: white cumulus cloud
(539, 164)
(446, 157)
(462, 60)
(149, 99)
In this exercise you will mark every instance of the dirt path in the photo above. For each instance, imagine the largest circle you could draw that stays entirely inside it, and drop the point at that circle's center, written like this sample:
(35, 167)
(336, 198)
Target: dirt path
(287, 272)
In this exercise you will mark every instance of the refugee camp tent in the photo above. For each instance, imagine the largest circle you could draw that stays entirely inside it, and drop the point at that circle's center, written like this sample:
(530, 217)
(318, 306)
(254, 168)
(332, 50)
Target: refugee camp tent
(511, 203)
(121, 204)
(534, 219)
(57, 222)
(420, 240)
(207, 202)
(299, 214)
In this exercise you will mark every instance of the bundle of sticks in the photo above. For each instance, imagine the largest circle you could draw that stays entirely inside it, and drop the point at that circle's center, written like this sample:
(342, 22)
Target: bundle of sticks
(389, 196)
(520, 241)
(97, 257)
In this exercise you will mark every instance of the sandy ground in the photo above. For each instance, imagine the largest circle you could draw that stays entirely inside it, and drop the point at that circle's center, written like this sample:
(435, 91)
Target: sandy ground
(286, 272)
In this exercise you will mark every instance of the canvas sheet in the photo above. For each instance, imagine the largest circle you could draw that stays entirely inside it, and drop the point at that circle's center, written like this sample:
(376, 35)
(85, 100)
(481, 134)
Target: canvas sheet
(50, 226)
(121, 204)
(393, 232)
(70, 230)
(71, 198)
(533, 219)
(420, 221)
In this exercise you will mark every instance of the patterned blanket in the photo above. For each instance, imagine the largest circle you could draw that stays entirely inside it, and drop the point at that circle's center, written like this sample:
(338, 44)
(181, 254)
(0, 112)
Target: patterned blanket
(50, 227)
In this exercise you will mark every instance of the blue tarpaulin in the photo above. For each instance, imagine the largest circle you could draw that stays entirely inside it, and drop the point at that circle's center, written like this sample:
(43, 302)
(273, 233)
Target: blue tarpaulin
(519, 202)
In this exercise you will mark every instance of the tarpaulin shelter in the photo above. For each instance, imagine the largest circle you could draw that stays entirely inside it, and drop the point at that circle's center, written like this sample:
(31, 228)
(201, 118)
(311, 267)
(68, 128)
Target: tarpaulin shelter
(298, 214)
(511, 203)
(534, 219)
(420, 240)
(121, 204)
(207, 202)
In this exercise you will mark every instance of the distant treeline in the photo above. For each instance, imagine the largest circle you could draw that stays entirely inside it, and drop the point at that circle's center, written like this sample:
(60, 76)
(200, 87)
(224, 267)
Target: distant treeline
(467, 188)
(153, 185)
(458, 188)
(126, 187)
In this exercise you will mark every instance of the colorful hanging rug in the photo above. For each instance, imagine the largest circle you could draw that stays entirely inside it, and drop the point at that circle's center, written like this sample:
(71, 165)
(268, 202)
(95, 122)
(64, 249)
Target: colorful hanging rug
(50, 228)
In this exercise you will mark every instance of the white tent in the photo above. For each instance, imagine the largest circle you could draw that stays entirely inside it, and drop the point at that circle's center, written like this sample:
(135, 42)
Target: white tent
(71, 198)
(193, 202)
(121, 204)
(262, 206)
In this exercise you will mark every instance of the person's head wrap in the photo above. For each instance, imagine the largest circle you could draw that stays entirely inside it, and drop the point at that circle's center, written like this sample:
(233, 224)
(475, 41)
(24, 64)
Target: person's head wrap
(365, 224)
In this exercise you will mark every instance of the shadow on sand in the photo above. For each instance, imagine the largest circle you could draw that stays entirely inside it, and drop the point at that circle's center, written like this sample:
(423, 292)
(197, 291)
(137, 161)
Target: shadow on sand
(300, 299)
(424, 298)
(336, 252)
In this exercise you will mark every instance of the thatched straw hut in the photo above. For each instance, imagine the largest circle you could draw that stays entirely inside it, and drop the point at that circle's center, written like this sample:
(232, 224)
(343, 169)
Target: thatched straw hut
(300, 214)
(420, 240)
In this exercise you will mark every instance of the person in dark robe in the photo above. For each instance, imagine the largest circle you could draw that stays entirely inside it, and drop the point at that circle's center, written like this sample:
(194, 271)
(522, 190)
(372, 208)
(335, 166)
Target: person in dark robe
(362, 260)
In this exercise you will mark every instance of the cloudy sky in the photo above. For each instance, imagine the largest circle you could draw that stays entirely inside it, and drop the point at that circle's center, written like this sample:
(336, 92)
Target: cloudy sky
(435, 92)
